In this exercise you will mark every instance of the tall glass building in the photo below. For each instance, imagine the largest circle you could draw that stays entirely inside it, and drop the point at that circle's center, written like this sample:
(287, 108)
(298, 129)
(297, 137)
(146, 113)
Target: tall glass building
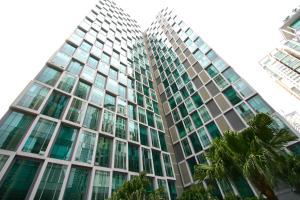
(113, 101)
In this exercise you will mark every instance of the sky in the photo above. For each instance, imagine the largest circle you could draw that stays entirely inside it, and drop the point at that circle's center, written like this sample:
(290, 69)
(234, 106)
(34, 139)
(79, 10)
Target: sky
(241, 32)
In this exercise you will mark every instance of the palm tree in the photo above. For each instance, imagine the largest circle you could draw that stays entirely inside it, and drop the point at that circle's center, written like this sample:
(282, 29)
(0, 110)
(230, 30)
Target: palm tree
(196, 192)
(256, 153)
(137, 189)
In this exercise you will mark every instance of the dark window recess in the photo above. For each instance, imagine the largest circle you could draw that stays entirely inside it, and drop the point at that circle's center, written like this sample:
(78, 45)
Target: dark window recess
(234, 120)
(187, 52)
(212, 88)
(213, 108)
(197, 82)
(178, 152)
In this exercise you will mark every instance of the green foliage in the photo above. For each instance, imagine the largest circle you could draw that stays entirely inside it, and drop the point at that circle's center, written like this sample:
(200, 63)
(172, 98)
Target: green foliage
(196, 192)
(255, 152)
(136, 189)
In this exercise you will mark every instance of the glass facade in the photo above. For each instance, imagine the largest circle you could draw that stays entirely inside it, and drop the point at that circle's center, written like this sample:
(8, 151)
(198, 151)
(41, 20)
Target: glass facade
(92, 118)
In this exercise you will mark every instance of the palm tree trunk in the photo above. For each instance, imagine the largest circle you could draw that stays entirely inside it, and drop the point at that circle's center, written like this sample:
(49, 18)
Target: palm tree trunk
(260, 183)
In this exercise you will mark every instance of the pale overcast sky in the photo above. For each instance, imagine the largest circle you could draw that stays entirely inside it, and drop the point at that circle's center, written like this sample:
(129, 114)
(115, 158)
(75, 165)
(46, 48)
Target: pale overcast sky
(242, 32)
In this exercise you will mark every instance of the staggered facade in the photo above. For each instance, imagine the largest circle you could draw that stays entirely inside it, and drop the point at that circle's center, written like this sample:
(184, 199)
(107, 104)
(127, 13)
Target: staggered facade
(113, 101)
(283, 63)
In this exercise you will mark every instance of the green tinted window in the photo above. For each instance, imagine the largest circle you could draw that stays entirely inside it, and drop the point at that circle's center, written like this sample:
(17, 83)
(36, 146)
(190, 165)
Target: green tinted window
(232, 95)
(55, 105)
(186, 147)
(82, 90)
(40, 136)
(76, 110)
(181, 129)
(212, 71)
(108, 122)
(157, 163)
(64, 144)
(34, 96)
(118, 180)
(100, 81)
(230, 75)
(168, 165)
(162, 140)
(121, 127)
(77, 184)
(92, 118)
(75, 67)
(85, 147)
(51, 183)
(120, 155)
(49, 76)
(12, 129)
(110, 102)
(101, 185)
(133, 158)
(144, 135)
(147, 163)
(259, 105)
(195, 142)
(196, 119)
(67, 82)
(18, 179)
(103, 152)
(213, 130)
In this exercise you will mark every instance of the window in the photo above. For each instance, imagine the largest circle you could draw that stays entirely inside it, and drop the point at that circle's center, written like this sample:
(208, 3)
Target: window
(112, 86)
(64, 144)
(168, 165)
(204, 114)
(113, 74)
(97, 96)
(88, 74)
(54, 174)
(12, 129)
(92, 118)
(221, 82)
(133, 158)
(100, 81)
(131, 111)
(157, 163)
(213, 130)
(196, 119)
(121, 106)
(39, 137)
(243, 88)
(108, 122)
(82, 90)
(85, 147)
(245, 112)
(181, 130)
(150, 119)
(75, 67)
(120, 155)
(34, 96)
(188, 124)
(186, 147)
(68, 49)
(121, 127)
(118, 180)
(202, 59)
(85, 46)
(101, 185)
(49, 76)
(110, 102)
(144, 135)
(76, 110)
(103, 152)
(195, 142)
(142, 115)
(77, 185)
(67, 82)
(154, 138)
(92, 62)
(3, 159)
(55, 105)
(197, 100)
(19, 178)
(60, 59)
(259, 105)
(147, 161)
(122, 91)
(203, 137)
(133, 131)
(232, 95)
(230, 75)
(105, 58)
(81, 55)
